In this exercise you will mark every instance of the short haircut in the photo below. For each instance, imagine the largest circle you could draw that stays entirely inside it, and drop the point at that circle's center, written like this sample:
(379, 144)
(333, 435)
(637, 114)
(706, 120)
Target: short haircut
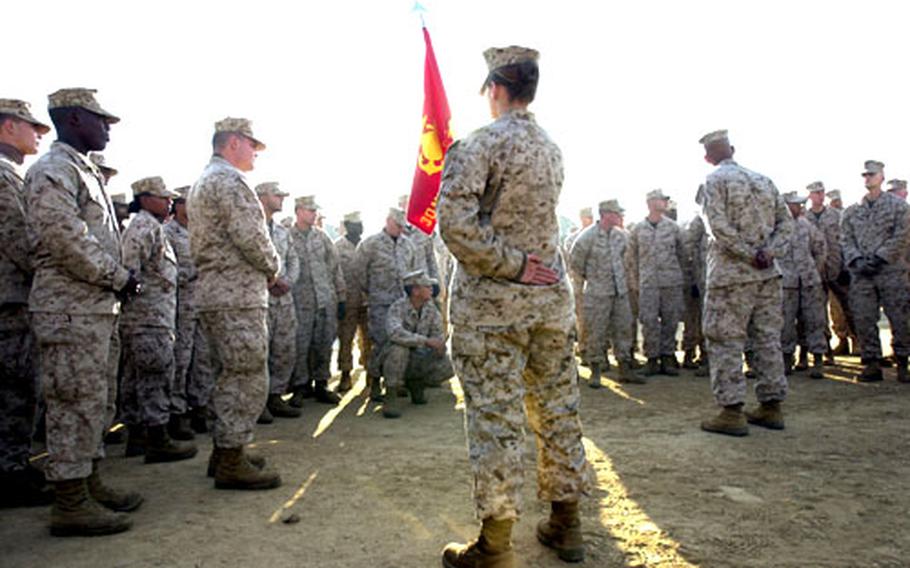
(519, 79)
(220, 140)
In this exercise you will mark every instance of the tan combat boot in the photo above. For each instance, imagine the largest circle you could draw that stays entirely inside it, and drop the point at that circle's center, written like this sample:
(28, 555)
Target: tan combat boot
(493, 549)
(391, 407)
(255, 460)
(562, 531)
(731, 421)
(767, 415)
(902, 376)
(595, 377)
(871, 373)
(345, 383)
(627, 374)
(75, 513)
(817, 370)
(109, 497)
(161, 448)
(278, 408)
(234, 471)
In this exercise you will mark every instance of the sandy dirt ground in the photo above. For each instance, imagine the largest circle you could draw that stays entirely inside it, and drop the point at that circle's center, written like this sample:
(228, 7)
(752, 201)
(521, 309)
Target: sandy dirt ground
(833, 489)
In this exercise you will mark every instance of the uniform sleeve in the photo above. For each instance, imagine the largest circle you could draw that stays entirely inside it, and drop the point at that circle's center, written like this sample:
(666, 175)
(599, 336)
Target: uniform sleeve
(395, 327)
(335, 270)
(53, 213)
(469, 238)
(138, 247)
(248, 232)
(362, 266)
(435, 321)
(14, 239)
(893, 249)
(819, 248)
(631, 260)
(691, 244)
(783, 226)
(833, 256)
(849, 247)
(682, 253)
(292, 262)
(578, 255)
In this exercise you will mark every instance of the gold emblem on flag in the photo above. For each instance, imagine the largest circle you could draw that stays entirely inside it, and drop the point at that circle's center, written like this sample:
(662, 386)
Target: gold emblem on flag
(431, 157)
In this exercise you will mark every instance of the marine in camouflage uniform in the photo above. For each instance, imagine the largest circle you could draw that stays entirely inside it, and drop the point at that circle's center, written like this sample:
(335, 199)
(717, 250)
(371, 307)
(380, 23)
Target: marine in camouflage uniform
(193, 374)
(236, 263)
(282, 311)
(415, 355)
(148, 324)
(874, 235)
(382, 260)
(355, 311)
(597, 260)
(803, 294)
(841, 326)
(586, 218)
(835, 278)
(696, 239)
(513, 314)
(656, 254)
(749, 226)
(319, 294)
(20, 484)
(75, 302)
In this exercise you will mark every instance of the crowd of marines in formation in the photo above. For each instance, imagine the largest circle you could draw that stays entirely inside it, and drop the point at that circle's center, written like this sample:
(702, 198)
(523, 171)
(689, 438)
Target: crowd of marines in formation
(193, 309)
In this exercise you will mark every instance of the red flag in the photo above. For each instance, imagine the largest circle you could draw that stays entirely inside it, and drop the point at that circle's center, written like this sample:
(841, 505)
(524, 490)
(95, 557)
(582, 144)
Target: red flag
(435, 139)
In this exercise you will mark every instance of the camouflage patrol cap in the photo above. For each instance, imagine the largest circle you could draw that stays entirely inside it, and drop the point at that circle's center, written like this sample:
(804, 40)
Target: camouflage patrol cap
(152, 186)
(711, 137)
(657, 194)
(307, 202)
(873, 167)
(586, 212)
(97, 158)
(897, 184)
(418, 278)
(270, 188)
(833, 194)
(20, 109)
(182, 191)
(815, 186)
(82, 98)
(241, 126)
(119, 199)
(610, 206)
(498, 57)
(397, 215)
(794, 197)
(352, 217)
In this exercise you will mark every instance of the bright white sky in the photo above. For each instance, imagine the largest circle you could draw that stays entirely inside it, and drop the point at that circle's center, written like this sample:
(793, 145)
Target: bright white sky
(808, 89)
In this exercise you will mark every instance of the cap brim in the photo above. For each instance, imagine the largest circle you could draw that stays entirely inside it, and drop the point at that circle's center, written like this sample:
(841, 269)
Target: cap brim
(110, 118)
(40, 127)
(259, 144)
(109, 171)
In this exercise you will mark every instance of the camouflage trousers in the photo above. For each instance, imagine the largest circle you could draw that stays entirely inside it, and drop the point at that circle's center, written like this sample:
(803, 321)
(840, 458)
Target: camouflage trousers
(78, 357)
(692, 332)
(807, 305)
(18, 387)
(729, 312)
(660, 311)
(239, 342)
(606, 319)
(633, 306)
(841, 315)
(867, 293)
(282, 346)
(148, 374)
(379, 335)
(194, 378)
(316, 331)
(402, 365)
(508, 374)
(355, 318)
